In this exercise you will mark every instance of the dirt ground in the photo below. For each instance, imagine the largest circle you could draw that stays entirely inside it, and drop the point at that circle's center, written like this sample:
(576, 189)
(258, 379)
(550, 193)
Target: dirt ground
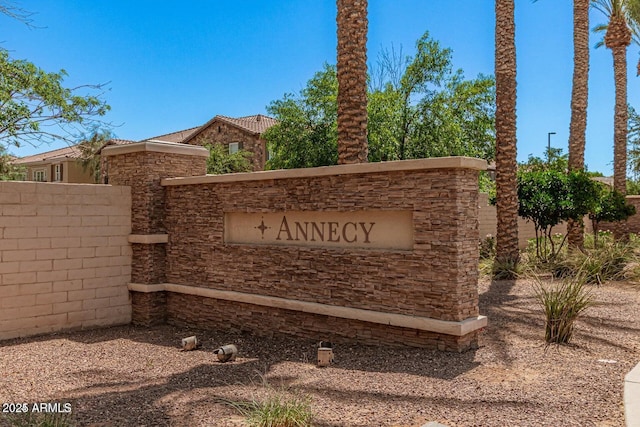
(132, 376)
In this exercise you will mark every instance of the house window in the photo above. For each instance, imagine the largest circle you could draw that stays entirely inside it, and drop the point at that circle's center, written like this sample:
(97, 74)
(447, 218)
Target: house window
(234, 147)
(57, 172)
(40, 175)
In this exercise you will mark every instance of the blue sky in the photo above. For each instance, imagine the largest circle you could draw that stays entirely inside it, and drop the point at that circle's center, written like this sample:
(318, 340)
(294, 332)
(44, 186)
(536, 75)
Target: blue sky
(175, 65)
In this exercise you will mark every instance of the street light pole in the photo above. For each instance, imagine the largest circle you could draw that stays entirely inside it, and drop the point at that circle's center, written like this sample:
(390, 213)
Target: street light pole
(549, 145)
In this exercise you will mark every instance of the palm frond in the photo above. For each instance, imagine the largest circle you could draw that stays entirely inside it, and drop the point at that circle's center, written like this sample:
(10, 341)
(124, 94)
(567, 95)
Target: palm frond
(604, 6)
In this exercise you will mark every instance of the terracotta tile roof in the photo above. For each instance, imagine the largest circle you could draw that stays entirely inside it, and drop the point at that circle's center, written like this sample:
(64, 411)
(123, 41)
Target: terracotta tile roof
(67, 152)
(116, 141)
(179, 136)
(72, 152)
(256, 124)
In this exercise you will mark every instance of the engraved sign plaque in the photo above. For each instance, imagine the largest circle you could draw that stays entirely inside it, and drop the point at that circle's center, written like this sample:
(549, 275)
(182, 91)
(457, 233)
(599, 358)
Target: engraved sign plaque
(359, 229)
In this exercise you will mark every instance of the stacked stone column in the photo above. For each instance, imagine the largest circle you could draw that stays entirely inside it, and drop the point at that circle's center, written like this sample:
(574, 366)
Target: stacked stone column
(142, 166)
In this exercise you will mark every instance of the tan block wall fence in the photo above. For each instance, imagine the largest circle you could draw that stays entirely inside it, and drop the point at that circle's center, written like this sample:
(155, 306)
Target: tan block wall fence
(65, 257)
(634, 222)
(487, 223)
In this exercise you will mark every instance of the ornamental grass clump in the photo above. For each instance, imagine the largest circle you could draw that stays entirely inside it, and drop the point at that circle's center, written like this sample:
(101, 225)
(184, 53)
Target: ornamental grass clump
(278, 409)
(34, 419)
(563, 303)
(607, 262)
(505, 269)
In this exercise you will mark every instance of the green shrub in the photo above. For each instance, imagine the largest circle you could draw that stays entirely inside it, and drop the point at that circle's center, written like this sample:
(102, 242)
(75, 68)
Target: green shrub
(562, 304)
(610, 206)
(548, 197)
(220, 161)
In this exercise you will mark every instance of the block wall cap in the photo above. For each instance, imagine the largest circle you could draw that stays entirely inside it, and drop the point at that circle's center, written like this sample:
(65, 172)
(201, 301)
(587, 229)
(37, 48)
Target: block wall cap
(360, 168)
(157, 147)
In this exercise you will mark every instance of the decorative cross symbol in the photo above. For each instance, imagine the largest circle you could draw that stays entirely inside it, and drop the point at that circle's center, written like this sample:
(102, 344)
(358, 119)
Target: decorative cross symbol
(262, 227)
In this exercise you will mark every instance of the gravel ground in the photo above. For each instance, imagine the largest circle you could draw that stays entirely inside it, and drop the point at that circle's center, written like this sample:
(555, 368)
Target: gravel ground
(131, 376)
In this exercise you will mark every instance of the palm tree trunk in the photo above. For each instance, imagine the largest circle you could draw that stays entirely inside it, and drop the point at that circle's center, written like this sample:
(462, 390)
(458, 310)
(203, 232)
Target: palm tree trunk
(620, 120)
(352, 81)
(506, 167)
(620, 130)
(579, 96)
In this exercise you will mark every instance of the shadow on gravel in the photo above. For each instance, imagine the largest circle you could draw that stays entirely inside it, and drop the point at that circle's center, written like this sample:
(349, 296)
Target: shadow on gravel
(142, 400)
(507, 315)
(152, 404)
(271, 350)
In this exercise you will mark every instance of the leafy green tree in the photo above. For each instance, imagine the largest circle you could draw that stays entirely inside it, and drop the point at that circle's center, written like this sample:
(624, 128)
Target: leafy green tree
(220, 161)
(417, 108)
(633, 187)
(432, 111)
(89, 147)
(487, 185)
(306, 134)
(633, 152)
(553, 160)
(548, 197)
(633, 143)
(8, 170)
(385, 118)
(35, 107)
(456, 121)
(424, 72)
(610, 206)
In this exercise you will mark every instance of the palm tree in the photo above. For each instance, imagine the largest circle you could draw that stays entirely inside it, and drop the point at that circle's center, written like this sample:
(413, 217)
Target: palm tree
(579, 96)
(617, 38)
(352, 81)
(506, 184)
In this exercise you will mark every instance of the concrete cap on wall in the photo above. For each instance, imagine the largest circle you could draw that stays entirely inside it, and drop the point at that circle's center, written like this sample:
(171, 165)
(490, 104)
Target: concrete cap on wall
(358, 168)
(157, 147)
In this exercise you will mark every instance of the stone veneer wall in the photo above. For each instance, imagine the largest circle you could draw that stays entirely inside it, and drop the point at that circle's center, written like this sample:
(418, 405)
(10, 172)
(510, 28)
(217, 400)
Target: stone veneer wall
(65, 257)
(436, 280)
(142, 166)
